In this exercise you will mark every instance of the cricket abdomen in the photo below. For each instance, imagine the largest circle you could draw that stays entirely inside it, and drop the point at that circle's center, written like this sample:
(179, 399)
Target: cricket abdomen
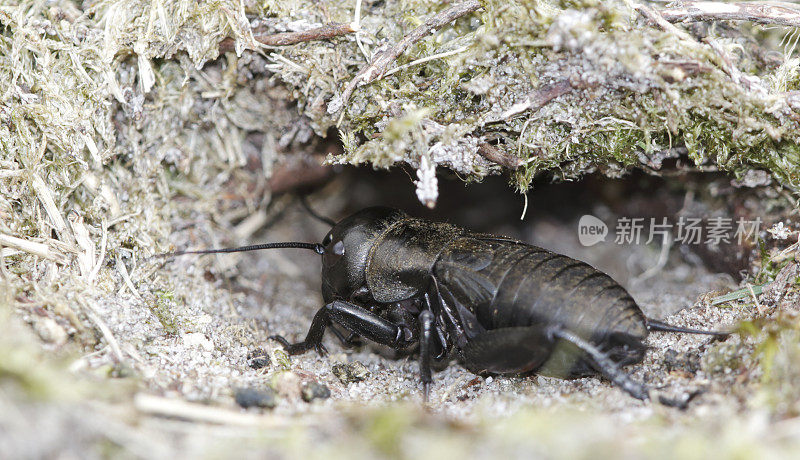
(508, 284)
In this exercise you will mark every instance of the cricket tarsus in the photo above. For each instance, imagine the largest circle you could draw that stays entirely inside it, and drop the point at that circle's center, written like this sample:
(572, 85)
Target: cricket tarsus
(315, 214)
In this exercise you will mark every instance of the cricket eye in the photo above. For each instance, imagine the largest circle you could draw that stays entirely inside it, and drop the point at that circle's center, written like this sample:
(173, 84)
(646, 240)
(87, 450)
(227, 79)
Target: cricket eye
(338, 248)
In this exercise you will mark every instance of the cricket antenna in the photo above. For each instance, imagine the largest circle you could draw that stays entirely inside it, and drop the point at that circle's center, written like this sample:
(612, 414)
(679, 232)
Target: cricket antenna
(315, 214)
(318, 248)
(656, 325)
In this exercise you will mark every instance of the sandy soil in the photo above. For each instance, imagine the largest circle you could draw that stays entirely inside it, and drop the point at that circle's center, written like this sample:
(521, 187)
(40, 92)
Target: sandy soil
(175, 396)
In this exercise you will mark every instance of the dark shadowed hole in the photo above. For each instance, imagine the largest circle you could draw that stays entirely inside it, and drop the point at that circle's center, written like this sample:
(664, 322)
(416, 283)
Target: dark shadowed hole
(662, 279)
(668, 278)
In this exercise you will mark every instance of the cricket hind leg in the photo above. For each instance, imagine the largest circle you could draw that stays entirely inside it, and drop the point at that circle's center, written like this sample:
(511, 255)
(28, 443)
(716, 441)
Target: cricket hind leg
(350, 340)
(569, 361)
(612, 371)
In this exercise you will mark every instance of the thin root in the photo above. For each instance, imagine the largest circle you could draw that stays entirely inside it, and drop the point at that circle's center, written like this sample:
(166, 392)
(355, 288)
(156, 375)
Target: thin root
(325, 32)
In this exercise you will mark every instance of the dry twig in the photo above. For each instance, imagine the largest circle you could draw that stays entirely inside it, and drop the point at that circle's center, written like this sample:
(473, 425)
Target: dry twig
(755, 299)
(325, 32)
(542, 97)
(38, 249)
(123, 271)
(301, 174)
(655, 18)
(760, 12)
(378, 68)
(498, 156)
(45, 196)
(104, 329)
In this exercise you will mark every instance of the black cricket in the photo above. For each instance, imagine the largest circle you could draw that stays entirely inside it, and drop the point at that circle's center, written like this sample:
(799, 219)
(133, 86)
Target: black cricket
(503, 306)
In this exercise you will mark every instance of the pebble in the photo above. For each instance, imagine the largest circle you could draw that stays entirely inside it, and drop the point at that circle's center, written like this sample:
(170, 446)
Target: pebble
(287, 384)
(688, 362)
(50, 331)
(350, 373)
(314, 390)
(254, 397)
(258, 359)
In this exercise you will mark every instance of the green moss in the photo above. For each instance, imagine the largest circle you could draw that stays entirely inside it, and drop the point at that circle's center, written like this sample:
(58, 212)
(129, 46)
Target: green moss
(163, 311)
(511, 48)
(281, 359)
(775, 352)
